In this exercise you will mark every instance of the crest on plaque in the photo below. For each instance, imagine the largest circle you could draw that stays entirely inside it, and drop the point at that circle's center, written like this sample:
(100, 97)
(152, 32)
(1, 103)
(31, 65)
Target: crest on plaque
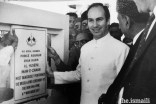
(31, 41)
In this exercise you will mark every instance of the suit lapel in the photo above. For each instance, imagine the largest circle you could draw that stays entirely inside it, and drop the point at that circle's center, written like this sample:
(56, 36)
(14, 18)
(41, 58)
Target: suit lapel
(136, 45)
(148, 41)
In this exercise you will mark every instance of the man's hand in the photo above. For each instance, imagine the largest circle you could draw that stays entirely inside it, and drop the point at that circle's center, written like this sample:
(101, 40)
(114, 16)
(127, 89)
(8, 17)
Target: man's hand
(49, 71)
(52, 53)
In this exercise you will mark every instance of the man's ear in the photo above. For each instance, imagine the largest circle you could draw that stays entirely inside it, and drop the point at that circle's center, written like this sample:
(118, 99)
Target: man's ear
(108, 22)
(127, 22)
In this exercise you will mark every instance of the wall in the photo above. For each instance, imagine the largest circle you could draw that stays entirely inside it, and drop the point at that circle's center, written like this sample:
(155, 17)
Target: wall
(19, 15)
(57, 26)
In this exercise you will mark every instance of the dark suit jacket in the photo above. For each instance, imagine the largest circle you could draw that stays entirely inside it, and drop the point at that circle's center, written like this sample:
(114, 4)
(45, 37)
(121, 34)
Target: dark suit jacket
(73, 90)
(140, 79)
(140, 82)
(111, 96)
(72, 63)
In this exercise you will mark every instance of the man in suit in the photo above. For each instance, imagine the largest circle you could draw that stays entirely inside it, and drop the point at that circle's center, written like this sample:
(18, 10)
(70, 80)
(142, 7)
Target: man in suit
(132, 24)
(141, 79)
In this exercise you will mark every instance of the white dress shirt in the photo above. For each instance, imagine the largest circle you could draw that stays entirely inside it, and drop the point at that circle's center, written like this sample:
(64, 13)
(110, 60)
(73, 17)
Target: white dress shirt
(100, 62)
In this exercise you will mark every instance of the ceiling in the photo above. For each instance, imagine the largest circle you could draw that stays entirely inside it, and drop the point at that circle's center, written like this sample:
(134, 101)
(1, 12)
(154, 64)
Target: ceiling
(64, 6)
(39, 0)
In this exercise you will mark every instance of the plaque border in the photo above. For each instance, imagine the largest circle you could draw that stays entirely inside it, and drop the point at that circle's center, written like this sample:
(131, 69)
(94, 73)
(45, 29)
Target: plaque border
(13, 65)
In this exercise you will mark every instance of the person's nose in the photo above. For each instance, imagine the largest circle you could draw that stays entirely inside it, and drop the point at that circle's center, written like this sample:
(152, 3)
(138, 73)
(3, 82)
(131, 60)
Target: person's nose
(95, 24)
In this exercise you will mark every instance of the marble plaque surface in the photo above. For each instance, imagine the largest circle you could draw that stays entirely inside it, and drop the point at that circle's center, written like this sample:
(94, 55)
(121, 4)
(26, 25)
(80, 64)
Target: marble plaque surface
(29, 63)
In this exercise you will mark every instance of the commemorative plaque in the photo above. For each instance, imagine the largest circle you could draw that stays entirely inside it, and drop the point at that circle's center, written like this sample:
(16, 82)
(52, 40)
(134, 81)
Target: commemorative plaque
(29, 62)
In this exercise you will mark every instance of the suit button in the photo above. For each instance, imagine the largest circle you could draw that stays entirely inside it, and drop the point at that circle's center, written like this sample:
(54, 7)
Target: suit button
(92, 58)
(88, 80)
(89, 69)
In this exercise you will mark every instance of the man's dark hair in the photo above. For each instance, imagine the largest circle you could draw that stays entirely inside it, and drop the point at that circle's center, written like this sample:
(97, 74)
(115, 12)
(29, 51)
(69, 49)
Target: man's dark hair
(107, 13)
(72, 14)
(114, 25)
(84, 16)
(141, 19)
(129, 8)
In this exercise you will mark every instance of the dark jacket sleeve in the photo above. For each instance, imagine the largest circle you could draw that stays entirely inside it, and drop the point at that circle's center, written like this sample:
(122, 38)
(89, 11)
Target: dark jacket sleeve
(63, 67)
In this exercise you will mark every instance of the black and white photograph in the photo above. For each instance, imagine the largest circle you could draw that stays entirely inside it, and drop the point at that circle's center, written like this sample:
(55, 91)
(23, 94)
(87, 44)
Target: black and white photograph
(77, 51)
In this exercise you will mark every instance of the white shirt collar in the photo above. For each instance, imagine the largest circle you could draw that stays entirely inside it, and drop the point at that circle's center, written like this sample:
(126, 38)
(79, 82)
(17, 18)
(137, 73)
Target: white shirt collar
(104, 38)
(136, 36)
(154, 12)
(122, 37)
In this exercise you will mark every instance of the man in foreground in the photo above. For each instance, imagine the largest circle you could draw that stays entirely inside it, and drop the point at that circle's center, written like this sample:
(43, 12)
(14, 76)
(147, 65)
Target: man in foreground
(100, 60)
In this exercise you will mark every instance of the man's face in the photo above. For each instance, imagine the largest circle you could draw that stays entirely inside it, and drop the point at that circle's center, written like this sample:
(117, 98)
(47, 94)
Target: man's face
(77, 26)
(97, 23)
(71, 21)
(143, 5)
(122, 24)
(84, 25)
(81, 39)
